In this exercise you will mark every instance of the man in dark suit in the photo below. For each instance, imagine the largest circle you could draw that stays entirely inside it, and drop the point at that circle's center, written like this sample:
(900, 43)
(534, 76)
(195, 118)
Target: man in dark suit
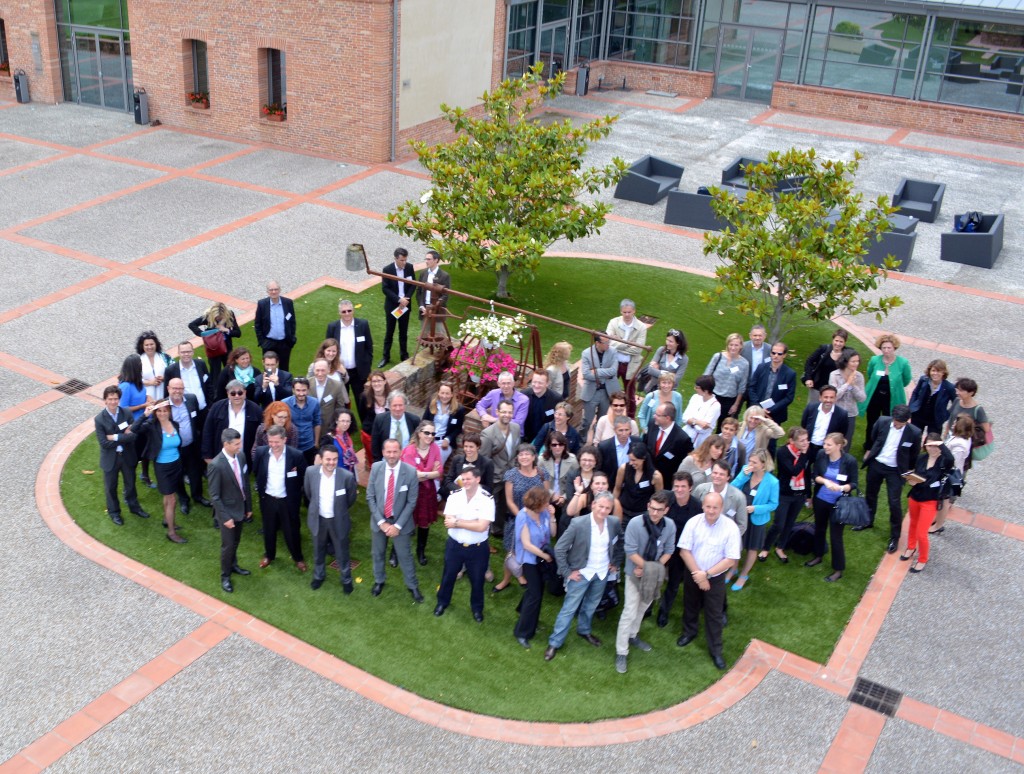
(236, 407)
(820, 419)
(668, 443)
(434, 275)
(273, 384)
(773, 384)
(185, 412)
(117, 454)
(584, 581)
(397, 295)
(391, 494)
(275, 324)
(756, 352)
(194, 373)
(541, 407)
(279, 470)
(355, 345)
(232, 504)
(331, 492)
(615, 451)
(894, 448)
(396, 423)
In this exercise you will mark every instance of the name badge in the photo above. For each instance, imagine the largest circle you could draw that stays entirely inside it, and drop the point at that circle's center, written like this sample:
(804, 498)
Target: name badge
(734, 369)
(122, 426)
(880, 372)
(288, 316)
(731, 513)
(360, 338)
(403, 488)
(783, 386)
(549, 412)
(615, 540)
(206, 377)
(453, 421)
(753, 492)
(935, 483)
(907, 444)
(707, 472)
(192, 414)
(339, 492)
(291, 474)
(644, 484)
(328, 398)
(669, 455)
(840, 477)
(673, 366)
(245, 468)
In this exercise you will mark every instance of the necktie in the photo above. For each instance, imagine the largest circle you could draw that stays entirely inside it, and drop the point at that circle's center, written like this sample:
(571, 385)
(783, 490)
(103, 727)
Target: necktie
(396, 434)
(657, 444)
(389, 497)
(238, 473)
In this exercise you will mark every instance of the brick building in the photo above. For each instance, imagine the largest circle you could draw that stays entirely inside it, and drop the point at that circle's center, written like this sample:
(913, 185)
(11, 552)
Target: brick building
(358, 78)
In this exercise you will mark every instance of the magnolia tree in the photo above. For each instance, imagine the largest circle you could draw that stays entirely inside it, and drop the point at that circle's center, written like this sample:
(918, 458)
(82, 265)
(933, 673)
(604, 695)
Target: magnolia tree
(507, 186)
(793, 253)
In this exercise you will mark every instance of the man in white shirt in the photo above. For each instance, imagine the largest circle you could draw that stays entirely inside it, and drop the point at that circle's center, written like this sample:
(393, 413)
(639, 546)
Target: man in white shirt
(709, 547)
(330, 395)
(192, 372)
(331, 492)
(391, 494)
(893, 453)
(279, 471)
(435, 276)
(468, 515)
(734, 501)
(820, 419)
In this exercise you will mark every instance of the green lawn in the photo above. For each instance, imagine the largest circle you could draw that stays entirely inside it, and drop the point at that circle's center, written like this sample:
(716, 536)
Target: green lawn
(454, 660)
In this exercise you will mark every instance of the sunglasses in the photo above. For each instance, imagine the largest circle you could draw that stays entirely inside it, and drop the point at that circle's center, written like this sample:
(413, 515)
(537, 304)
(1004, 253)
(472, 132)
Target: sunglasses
(618, 405)
(555, 443)
(235, 394)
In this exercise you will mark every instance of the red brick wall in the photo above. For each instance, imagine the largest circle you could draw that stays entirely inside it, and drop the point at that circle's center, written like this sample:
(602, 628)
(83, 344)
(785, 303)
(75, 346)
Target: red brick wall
(642, 77)
(21, 19)
(892, 111)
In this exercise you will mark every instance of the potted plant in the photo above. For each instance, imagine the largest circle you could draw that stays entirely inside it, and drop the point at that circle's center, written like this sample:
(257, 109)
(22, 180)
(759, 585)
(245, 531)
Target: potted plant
(5, 69)
(275, 112)
(846, 37)
(493, 331)
(479, 365)
(200, 100)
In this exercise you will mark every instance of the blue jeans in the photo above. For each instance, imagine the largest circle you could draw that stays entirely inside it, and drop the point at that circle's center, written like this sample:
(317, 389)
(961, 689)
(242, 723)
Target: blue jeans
(582, 595)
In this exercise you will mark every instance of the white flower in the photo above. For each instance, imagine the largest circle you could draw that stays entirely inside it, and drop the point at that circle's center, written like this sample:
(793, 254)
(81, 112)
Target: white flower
(497, 331)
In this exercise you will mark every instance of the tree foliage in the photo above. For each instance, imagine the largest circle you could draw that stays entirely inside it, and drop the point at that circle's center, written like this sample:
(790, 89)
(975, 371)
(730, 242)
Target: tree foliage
(793, 255)
(508, 185)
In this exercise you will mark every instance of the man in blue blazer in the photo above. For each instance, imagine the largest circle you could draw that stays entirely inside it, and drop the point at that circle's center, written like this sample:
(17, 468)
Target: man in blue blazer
(329, 487)
(275, 324)
(391, 516)
(585, 581)
(773, 384)
(279, 472)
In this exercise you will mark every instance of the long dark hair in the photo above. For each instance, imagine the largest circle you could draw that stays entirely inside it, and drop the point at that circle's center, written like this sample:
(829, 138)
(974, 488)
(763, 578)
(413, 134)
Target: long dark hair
(131, 371)
(639, 450)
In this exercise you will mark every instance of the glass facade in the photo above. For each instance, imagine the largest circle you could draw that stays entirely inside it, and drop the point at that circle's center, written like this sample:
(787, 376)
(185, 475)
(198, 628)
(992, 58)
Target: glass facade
(95, 52)
(749, 44)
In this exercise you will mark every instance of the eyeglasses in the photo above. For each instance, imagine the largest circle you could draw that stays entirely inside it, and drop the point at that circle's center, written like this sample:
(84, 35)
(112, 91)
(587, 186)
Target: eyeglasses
(555, 443)
(618, 405)
(345, 311)
(778, 354)
(236, 393)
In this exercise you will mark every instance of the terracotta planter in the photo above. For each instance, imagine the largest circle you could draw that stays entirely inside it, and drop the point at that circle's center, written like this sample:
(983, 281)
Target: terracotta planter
(279, 117)
(204, 105)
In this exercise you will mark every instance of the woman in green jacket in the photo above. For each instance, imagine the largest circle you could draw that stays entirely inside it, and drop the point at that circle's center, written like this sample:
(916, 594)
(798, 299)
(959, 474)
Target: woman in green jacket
(889, 375)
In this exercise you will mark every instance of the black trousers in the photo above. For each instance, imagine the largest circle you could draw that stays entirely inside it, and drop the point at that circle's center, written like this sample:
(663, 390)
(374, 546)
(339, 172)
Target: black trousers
(823, 519)
(331, 531)
(529, 607)
(279, 515)
(229, 540)
(127, 472)
(877, 473)
(475, 557)
(675, 570)
(192, 465)
(711, 602)
(785, 517)
(389, 333)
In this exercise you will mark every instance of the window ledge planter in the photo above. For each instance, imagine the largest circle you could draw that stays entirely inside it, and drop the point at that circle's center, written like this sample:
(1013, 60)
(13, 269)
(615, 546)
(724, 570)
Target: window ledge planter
(276, 117)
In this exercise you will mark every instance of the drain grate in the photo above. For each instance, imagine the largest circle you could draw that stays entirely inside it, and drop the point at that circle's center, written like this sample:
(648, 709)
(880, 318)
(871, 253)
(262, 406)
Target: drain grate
(876, 697)
(72, 387)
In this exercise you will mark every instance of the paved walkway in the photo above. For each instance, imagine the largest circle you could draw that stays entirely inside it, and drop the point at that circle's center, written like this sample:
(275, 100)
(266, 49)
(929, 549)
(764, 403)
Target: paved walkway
(106, 664)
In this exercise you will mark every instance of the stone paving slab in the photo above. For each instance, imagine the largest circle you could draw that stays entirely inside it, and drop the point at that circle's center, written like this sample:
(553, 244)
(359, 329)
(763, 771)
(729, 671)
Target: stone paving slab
(295, 172)
(15, 388)
(106, 320)
(66, 124)
(904, 746)
(14, 153)
(173, 149)
(381, 192)
(810, 123)
(80, 628)
(145, 221)
(293, 246)
(963, 145)
(30, 274)
(63, 183)
(951, 637)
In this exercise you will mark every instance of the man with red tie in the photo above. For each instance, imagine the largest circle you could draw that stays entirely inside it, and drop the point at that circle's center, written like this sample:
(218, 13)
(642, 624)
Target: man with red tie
(391, 494)
(669, 445)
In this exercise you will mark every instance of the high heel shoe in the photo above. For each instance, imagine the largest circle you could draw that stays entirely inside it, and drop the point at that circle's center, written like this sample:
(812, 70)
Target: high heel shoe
(907, 555)
(833, 577)
(813, 562)
(938, 531)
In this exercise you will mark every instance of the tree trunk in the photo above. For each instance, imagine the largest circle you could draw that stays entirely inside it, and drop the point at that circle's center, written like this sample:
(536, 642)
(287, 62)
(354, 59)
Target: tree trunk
(502, 291)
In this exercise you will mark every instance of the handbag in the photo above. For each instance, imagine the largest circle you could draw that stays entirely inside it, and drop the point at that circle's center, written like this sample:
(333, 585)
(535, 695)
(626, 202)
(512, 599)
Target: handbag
(952, 485)
(851, 511)
(216, 342)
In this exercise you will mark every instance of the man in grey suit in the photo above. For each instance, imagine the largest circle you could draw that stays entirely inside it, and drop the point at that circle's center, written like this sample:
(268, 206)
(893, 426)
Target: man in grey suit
(228, 480)
(391, 494)
(600, 379)
(584, 578)
(331, 492)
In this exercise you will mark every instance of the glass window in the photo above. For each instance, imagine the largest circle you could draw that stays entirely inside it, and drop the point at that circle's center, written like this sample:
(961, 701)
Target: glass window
(979, 65)
(521, 39)
(555, 10)
(655, 31)
(200, 71)
(276, 89)
(3, 44)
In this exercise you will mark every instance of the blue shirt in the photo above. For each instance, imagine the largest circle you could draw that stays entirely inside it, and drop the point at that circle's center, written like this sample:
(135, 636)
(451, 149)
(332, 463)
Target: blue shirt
(132, 396)
(276, 331)
(180, 414)
(304, 419)
(169, 448)
(540, 535)
(832, 474)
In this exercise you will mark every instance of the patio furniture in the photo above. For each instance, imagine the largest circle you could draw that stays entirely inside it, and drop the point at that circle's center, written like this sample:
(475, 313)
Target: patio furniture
(735, 175)
(649, 180)
(919, 198)
(899, 245)
(902, 224)
(693, 210)
(974, 248)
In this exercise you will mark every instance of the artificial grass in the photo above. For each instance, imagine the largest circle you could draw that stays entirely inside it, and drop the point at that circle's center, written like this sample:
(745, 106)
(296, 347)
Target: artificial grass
(480, 667)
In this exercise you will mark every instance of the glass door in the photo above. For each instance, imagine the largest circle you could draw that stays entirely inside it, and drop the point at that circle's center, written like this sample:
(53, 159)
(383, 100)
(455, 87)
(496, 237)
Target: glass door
(747, 64)
(99, 69)
(554, 42)
(90, 88)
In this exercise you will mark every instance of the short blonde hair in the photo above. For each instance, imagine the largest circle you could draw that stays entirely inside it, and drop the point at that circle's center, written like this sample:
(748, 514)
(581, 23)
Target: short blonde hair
(892, 338)
(765, 457)
(731, 338)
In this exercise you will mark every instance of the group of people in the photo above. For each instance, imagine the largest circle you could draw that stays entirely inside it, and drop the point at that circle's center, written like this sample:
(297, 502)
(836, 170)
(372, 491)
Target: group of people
(643, 490)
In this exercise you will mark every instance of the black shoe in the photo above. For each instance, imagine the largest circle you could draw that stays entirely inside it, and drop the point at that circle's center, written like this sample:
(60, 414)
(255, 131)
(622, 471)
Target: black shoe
(685, 640)
(478, 616)
(383, 362)
(147, 481)
(725, 620)
(662, 619)
(116, 518)
(718, 661)
(215, 524)
(524, 642)
(377, 589)
(141, 513)
(204, 502)
(833, 577)
(416, 596)
(550, 653)
(225, 583)
(176, 539)
(346, 586)
(439, 610)
(891, 548)
(813, 562)
(316, 583)
(422, 559)
(861, 529)
(239, 571)
(591, 639)
(184, 506)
